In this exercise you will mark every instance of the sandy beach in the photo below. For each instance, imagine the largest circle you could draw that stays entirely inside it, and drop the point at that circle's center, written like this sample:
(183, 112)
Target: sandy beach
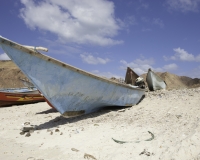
(172, 117)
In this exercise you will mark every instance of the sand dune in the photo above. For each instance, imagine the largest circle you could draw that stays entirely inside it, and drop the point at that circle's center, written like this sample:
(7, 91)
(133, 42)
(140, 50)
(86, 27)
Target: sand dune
(171, 116)
(165, 125)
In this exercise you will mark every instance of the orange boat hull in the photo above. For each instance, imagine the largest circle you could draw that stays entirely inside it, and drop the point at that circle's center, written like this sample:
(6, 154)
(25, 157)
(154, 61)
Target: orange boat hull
(8, 99)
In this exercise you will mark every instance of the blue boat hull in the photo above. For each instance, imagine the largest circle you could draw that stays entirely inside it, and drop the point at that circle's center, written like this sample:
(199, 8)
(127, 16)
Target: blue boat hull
(70, 90)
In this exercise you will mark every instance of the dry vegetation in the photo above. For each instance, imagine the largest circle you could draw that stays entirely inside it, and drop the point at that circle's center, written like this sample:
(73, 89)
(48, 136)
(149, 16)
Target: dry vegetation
(10, 75)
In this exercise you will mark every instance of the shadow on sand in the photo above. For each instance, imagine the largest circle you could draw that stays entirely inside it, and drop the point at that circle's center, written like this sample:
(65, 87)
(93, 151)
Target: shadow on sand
(62, 120)
(52, 110)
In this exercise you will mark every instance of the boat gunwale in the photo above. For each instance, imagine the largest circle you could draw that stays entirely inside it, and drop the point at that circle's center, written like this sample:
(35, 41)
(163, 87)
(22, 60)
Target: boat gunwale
(20, 93)
(14, 89)
(57, 62)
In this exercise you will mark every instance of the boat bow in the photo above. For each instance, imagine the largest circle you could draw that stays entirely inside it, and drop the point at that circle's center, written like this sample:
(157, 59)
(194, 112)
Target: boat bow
(70, 90)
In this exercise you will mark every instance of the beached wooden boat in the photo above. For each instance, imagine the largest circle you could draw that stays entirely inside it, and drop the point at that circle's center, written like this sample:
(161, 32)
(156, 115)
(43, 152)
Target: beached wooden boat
(70, 90)
(133, 78)
(154, 82)
(19, 96)
(21, 90)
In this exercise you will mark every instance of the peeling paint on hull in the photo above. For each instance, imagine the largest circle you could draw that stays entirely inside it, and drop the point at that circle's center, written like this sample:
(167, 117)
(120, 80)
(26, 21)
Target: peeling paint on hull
(69, 89)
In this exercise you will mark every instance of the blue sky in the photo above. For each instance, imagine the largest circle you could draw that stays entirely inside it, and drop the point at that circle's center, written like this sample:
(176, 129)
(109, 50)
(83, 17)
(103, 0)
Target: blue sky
(104, 36)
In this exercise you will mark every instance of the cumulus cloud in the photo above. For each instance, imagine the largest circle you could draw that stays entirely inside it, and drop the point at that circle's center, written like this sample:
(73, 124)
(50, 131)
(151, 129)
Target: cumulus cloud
(197, 58)
(106, 74)
(140, 66)
(90, 59)
(77, 21)
(4, 56)
(181, 54)
(184, 5)
(170, 67)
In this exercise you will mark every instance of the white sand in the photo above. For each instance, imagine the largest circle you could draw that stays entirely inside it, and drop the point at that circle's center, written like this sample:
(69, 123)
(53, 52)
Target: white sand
(172, 116)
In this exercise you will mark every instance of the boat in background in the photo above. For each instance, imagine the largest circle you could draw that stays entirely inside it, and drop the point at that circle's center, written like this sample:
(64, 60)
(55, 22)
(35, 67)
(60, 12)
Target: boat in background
(19, 96)
(154, 82)
(71, 91)
(133, 78)
(20, 90)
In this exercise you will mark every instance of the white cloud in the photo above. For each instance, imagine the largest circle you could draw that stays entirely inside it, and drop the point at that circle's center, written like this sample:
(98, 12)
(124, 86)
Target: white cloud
(106, 74)
(170, 67)
(182, 55)
(77, 21)
(144, 61)
(90, 59)
(4, 56)
(140, 66)
(197, 58)
(184, 5)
